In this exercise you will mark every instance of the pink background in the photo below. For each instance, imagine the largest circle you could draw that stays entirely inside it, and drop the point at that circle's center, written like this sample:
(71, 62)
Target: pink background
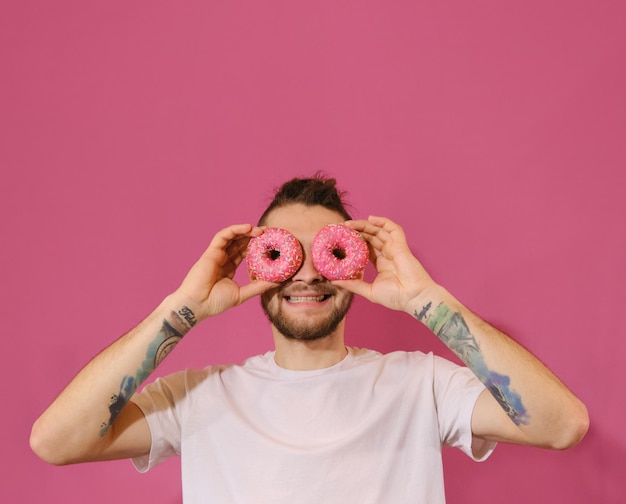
(493, 131)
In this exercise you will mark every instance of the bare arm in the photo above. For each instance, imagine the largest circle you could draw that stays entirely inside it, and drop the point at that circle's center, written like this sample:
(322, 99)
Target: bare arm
(92, 419)
(77, 425)
(525, 402)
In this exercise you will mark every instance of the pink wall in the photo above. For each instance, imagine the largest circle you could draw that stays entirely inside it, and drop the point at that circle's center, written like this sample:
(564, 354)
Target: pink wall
(493, 131)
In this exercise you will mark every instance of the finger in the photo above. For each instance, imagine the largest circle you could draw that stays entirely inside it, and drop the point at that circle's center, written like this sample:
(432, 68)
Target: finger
(232, 234)
(366, 227)
(358, 286)
(255, 288)
(233, 238)
(237, 251)
(387, 225)
(367, 230)
(378, 239)
(388, 231)
(373, 240)
(356, 224)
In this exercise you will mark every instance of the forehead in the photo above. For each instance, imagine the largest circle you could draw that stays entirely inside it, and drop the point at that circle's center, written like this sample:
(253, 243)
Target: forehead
(302, 220)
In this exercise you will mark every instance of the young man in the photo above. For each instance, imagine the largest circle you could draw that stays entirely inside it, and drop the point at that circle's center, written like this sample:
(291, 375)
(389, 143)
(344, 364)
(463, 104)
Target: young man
(312, 421)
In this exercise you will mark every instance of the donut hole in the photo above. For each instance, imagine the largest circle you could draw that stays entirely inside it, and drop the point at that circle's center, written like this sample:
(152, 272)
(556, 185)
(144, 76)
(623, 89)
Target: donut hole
(339, 253)
(273, 254)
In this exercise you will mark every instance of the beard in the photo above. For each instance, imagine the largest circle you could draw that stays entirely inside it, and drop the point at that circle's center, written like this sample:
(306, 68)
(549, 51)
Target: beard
(306, 330)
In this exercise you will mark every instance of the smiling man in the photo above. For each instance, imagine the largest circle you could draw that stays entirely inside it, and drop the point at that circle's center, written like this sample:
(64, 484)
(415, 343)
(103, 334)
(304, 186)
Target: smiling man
(307, 308)
(313, 420)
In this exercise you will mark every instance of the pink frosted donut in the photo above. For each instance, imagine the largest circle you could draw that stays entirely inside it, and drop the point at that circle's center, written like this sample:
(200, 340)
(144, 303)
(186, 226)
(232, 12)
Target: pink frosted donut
(274, 256)
(339, 253)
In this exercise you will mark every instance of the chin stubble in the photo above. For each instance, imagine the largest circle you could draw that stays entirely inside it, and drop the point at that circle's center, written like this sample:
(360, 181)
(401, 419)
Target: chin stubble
(291, 329)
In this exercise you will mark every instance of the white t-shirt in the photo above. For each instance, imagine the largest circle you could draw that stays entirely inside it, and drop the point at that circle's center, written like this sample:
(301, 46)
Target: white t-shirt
(369, 429)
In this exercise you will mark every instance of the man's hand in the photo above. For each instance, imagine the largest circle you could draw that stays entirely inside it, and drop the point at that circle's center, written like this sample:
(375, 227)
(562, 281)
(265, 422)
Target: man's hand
(209, 287)
(401, 278)
(92, 419)
(525, 402)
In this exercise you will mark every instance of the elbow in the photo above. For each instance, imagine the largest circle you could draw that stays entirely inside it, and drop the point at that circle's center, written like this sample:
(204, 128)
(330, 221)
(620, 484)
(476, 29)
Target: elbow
(38, 444)
(46, 445)
(575, 426)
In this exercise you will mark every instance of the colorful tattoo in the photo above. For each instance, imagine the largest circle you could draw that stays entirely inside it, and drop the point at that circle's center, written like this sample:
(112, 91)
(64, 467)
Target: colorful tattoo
(452, 329)
(167, 338)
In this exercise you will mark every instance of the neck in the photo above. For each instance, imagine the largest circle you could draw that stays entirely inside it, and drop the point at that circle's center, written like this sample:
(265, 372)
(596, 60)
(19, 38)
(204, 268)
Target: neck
(298, 355)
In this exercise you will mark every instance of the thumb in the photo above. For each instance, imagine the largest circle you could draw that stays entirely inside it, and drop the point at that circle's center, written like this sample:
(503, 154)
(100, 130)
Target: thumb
(255, 288)
(358, 286)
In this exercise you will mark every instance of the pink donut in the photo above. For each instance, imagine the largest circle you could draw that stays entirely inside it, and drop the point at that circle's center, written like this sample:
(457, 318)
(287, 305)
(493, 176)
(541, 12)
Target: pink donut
(274, 256)
(339, 253)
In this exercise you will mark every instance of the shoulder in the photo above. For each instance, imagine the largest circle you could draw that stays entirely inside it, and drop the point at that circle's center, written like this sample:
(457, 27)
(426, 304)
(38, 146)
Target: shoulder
(397, 363)
(398, 357)
(180, 382)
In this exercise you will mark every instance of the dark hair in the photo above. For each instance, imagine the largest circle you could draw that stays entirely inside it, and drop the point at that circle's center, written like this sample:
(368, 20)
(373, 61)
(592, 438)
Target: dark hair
(317, 190)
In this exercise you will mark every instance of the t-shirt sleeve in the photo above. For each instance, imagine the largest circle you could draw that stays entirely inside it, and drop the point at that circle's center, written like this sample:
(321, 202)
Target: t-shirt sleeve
(456, 392)
(159, 402)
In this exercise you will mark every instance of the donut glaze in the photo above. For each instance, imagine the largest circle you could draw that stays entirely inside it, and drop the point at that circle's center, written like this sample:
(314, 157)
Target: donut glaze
(274, 256)
(339, 253)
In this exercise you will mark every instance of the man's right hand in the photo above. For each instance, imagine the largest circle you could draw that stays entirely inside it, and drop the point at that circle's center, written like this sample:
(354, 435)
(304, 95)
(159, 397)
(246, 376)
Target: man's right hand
(91, 418)
(209, 288)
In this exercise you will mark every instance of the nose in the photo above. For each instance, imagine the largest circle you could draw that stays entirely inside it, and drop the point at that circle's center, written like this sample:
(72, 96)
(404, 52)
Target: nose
(307, 272)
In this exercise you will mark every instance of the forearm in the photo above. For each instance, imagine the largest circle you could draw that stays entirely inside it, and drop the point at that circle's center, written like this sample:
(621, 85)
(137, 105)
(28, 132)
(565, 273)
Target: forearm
(80, 418)
(545, 412)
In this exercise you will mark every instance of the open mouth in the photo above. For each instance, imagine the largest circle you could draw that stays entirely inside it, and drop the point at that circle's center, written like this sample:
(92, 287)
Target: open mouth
(307, 299)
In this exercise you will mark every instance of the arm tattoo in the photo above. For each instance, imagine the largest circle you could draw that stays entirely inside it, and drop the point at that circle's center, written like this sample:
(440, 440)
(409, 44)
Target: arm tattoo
(164, 342)
(420, 316)
(452, 330)
(188, 315)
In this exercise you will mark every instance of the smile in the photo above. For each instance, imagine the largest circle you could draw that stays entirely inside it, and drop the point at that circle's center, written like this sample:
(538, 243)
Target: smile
(306, 299)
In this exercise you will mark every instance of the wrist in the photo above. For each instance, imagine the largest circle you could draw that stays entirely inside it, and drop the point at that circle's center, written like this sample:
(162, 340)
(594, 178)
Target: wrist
(181, 310)
(422, 305)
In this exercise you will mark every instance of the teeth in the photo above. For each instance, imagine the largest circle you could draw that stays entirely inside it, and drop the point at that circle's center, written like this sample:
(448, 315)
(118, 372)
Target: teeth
(305, 299)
